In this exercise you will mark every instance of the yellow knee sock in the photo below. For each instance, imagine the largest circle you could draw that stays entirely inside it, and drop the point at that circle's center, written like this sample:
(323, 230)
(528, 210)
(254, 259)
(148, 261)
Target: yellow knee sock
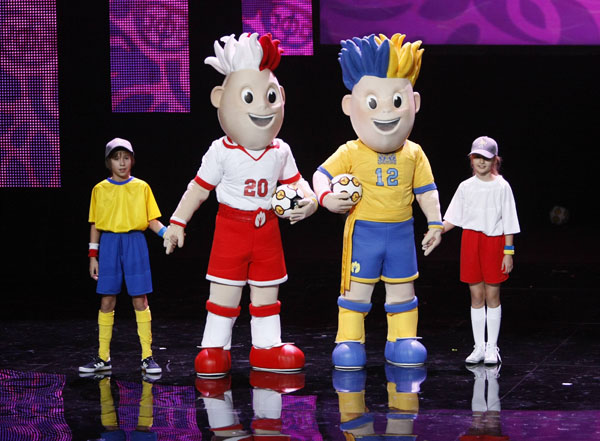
(351, 325)
(146, 416)
(105, 328)
(108, 414)
(144, 329)
(406, 402)
(402, 320)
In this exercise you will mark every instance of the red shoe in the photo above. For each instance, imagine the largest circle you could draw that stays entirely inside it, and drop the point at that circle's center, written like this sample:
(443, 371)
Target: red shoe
(285, 358)
(213, 387)
(282, 383)
(213, 362)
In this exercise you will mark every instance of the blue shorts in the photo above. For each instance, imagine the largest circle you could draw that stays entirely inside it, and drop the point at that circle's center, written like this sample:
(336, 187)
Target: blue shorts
(384, 251)
(123, 255)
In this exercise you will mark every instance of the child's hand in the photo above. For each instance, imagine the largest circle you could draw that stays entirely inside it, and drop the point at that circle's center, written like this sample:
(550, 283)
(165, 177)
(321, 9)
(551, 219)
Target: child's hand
(174, 236)
(94, 268)
(432, 239)
(507, 263)
(339, 203)
(306, 207)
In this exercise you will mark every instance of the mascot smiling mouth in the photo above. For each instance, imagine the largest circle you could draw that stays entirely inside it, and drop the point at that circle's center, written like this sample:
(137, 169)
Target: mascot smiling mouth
(261, 121)
(386, 126)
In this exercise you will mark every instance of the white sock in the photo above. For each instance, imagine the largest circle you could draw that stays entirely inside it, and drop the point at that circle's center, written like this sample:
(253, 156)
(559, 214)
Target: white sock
(494, 317)
(478, 325)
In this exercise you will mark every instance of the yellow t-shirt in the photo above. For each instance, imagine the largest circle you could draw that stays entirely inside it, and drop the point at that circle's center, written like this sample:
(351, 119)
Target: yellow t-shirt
(389, 180)
(120, 207)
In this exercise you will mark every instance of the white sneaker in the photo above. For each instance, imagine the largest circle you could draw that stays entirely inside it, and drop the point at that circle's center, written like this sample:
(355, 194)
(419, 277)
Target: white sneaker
(477, 355)
(492, 354)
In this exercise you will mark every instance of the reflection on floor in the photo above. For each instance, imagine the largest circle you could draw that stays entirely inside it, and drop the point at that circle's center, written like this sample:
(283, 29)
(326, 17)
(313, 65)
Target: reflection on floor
(546, 389)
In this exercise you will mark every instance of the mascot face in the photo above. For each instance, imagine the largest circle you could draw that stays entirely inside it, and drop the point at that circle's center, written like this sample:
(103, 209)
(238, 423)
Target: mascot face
(250, 107)
(382, 111)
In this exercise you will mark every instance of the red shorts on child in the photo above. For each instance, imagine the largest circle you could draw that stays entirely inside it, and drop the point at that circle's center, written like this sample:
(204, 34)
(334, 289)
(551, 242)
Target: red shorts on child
(481, 258)
(245, 250)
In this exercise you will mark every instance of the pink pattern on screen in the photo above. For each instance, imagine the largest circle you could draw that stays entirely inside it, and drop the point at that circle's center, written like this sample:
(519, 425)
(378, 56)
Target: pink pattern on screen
(29, 138)
(149, 56)
(289, 21)
(505, 22)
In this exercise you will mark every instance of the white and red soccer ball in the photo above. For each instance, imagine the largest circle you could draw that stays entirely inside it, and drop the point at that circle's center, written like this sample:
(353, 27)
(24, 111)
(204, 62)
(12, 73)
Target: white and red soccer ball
(347, 183)
(285, 199)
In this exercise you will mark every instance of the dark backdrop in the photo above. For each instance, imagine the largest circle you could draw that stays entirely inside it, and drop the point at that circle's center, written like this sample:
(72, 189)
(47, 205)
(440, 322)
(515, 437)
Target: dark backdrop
(539, 103)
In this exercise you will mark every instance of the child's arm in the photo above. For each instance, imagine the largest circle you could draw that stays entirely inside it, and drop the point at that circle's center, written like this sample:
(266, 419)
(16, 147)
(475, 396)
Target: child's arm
(447, 226)
(157, 227)
(430, 205)
(336, 203)
(93, 254)
(507, 260)
(191, 200)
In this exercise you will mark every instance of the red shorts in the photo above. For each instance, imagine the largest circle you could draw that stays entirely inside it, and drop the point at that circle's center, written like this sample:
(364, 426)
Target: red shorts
(245, 253)
(481, 258)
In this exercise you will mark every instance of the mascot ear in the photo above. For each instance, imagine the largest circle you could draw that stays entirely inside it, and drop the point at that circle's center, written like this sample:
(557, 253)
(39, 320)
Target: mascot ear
(417, 102)
(346, 104)
(282, 90)
(216, 95)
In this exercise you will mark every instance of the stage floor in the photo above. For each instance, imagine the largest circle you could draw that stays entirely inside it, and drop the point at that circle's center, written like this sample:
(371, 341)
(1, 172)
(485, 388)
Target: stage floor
(547, 387)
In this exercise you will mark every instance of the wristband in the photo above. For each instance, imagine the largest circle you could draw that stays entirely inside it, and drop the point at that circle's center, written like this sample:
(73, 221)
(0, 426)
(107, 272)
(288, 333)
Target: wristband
(435, 224)
(509, 250)
(325, 193)
(161, 232)
(93, 249)
(177, 221)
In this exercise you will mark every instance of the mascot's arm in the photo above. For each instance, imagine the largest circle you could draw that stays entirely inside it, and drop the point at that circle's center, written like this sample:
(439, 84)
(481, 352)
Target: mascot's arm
(430, 205)
(336, 203)
(191, 200)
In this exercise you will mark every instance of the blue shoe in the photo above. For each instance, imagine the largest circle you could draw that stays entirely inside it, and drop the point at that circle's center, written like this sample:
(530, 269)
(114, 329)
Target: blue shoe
(405, 352)
(349, 381)
(149, 366)
(96, 365)
(406, 379)
(349, 356)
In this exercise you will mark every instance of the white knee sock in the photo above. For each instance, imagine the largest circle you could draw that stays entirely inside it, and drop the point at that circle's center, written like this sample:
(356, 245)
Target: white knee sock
(494, 317)
(478, 325)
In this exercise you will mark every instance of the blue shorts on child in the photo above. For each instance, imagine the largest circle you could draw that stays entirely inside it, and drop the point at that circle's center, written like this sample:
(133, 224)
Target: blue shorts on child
(123, 255)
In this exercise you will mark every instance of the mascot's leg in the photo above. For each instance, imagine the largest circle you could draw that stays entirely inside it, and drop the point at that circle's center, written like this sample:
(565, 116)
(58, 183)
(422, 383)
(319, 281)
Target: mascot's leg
(349, 352)
(268, 353)
(214, 360)
(403, 386)
(402, 347)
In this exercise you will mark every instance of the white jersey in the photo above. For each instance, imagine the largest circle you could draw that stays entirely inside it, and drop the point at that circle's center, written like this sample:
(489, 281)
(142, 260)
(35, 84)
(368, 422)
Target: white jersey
(246, 179)
(485, 206)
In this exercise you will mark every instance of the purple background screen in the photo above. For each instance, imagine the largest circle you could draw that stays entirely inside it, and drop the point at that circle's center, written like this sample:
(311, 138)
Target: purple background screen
(289, 21)
(29, 139)
(469, 22)
(149, 56)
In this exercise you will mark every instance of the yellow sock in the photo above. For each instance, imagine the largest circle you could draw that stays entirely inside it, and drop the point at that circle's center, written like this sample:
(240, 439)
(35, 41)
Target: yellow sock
(352, 405)
(402, 324)
(146, 416)
(144, 329)
(105, 328)
(351, 325)
(407, 402)
(108, 414)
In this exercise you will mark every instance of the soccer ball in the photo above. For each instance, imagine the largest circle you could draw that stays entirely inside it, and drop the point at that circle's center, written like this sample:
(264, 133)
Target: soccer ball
(559, 215)
(285, 199)
(347, 183)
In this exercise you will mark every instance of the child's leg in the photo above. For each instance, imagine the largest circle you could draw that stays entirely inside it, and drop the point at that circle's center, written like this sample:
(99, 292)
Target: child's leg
(144, 324)
(106, 320)
(494, 312)
(478, 312)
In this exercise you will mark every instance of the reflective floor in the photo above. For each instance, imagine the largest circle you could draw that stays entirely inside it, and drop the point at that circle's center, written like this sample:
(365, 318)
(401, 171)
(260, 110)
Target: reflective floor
(546, 388)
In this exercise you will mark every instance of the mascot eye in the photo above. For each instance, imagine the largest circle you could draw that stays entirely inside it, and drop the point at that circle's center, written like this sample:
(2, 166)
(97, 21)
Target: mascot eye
(372, 102)
(247, 96)
(272, 95)
(397, 100)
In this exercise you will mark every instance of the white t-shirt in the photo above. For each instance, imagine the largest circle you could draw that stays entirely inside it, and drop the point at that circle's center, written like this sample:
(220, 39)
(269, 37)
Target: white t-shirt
(486, 206)
(246, 179)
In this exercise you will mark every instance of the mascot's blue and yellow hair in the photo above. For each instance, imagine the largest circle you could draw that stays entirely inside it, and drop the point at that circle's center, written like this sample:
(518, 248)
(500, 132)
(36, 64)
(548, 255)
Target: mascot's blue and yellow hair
(381, 57)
